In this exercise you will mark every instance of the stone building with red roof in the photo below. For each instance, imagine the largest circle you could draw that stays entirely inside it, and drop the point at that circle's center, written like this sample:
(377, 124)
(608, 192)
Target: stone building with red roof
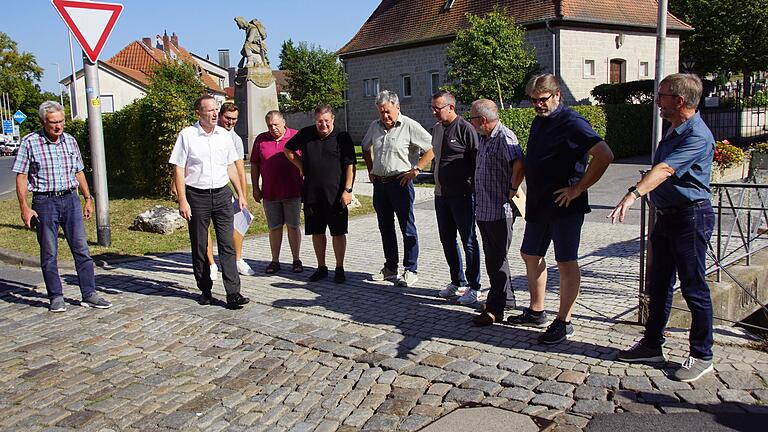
(402, 47)
(125, 76)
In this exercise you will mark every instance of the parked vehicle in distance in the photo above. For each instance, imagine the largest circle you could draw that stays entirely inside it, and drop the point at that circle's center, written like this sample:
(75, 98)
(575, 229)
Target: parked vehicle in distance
(9, 148)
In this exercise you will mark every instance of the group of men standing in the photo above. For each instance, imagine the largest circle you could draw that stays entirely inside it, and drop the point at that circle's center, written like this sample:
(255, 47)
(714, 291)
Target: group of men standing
(478, 172)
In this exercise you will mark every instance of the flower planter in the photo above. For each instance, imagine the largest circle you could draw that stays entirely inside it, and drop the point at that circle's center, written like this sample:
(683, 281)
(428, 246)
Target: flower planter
(729, 175)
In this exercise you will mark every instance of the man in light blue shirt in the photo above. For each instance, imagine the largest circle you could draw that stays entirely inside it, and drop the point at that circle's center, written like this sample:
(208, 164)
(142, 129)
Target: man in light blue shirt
(678, 187)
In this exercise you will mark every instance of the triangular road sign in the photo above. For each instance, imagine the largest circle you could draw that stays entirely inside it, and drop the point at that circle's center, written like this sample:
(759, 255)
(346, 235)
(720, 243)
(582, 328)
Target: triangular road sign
(90, 22)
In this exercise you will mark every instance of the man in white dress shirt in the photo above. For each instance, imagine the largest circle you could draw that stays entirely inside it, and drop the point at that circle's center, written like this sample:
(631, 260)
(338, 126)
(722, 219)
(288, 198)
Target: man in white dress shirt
(204, 158)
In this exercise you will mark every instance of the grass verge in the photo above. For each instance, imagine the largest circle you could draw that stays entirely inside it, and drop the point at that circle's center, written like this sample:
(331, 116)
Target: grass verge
(125, 243)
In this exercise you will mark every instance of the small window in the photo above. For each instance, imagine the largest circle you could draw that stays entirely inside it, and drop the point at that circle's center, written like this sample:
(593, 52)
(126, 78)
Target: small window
(434, 82)
(107, 103)
(644, 69)
(367, 89)
(407, 86)
(589, 68)
(375, 86)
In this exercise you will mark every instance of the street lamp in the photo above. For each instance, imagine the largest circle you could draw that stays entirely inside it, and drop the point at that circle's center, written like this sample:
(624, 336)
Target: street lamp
(688, 64)
(61, 91)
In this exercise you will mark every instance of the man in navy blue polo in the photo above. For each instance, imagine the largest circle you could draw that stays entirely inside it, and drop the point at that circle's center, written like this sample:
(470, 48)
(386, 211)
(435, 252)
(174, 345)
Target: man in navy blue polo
(558, 173)
(678, 186)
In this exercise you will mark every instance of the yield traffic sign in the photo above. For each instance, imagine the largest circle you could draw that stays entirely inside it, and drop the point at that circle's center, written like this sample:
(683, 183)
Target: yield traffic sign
(19, 117)
(90, 22)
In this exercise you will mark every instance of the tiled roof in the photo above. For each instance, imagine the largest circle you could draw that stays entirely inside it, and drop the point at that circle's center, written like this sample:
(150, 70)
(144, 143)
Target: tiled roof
(137, 60)
(398, 22)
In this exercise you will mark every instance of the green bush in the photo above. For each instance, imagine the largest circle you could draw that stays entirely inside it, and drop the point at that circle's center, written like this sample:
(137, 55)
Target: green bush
(633, 92)
(626, 128)
(138, 141)
(139, 138)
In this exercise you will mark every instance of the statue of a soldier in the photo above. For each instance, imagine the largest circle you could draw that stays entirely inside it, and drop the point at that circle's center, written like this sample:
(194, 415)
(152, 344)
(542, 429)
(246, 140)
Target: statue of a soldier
(254, 48)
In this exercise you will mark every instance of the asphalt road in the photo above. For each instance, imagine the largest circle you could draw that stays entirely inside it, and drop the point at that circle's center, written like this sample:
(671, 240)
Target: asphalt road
(7, 178)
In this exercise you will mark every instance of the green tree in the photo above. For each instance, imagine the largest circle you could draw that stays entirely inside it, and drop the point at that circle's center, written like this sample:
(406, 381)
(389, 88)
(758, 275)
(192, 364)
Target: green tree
(313, 76)
(176, 79)
(490, 59)
(19, 73)
(728, 36)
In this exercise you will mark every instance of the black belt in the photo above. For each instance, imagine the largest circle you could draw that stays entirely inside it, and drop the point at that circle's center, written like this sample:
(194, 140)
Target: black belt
(206, 191)
(60, 193)
(387, 179)
(677, 209)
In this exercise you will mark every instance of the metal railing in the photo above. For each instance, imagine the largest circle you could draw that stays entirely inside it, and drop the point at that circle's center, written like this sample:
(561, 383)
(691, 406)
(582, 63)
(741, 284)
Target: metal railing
(742, 209)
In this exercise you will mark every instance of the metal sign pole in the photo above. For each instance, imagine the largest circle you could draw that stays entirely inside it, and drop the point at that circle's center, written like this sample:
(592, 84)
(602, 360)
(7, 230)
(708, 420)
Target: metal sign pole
(96, 140)
(73, 85)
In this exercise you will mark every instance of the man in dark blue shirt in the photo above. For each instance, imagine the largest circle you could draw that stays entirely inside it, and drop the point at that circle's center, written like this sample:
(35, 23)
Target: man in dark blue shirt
(678, 187)
(558, 173)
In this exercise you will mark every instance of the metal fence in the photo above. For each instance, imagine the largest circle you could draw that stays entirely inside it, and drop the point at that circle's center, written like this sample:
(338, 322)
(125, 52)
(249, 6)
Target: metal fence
(741, 230)
(741, 120)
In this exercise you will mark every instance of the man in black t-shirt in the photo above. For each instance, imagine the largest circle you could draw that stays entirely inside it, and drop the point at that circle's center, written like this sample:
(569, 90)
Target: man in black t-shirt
(327, 163)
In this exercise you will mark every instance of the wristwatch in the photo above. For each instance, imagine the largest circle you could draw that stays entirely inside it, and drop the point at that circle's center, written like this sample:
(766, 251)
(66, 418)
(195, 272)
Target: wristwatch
(416, 167)
(349, 190)
(635, 192)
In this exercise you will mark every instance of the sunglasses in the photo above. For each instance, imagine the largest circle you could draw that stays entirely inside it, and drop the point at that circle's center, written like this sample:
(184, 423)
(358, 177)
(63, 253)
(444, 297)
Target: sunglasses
(541, 100)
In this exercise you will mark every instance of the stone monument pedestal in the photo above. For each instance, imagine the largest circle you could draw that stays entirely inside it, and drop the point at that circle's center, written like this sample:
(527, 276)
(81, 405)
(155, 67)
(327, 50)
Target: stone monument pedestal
(255, 96)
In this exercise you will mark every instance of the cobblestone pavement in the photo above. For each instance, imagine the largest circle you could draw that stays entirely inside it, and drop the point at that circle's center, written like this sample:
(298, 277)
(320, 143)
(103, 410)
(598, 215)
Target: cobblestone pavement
(357, 356)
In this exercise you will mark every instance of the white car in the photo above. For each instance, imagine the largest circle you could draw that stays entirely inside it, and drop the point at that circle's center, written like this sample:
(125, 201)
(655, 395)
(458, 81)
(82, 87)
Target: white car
(9, 148)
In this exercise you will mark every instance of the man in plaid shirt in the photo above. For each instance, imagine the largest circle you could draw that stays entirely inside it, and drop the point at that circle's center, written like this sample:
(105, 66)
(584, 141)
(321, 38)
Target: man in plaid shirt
(498, 173)
(50, 166)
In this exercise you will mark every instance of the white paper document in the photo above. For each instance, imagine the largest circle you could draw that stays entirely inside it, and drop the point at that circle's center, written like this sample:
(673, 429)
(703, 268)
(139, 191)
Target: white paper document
(243, 219)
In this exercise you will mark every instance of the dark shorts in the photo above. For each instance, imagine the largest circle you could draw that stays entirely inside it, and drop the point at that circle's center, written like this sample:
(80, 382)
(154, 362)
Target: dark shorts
(318, 217)
(564, 232)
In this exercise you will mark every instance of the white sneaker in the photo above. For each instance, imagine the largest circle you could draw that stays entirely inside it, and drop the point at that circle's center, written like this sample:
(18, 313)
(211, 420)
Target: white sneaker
(470, 297)
(407, 279)
(244, 269)
(451, 290)
(214, 272)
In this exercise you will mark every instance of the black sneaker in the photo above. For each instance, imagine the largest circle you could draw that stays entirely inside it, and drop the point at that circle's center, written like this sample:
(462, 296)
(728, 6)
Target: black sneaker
(236, 301)
(642, 353)
(320, 273)
(339, 276)
(205, 298)
(557, 332)
(528, 319)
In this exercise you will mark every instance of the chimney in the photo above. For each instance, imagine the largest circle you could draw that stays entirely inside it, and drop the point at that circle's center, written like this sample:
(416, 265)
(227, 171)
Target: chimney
(147, 41)
(166, 42)
(224, 58)
(158, 42)
(175, 40)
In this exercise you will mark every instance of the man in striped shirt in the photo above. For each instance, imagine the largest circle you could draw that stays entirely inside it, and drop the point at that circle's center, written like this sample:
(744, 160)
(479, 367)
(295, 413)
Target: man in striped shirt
(50, 166)
(498, 173)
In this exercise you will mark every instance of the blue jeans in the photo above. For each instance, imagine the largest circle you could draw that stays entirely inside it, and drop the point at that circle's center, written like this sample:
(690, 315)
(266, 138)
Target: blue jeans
(65, 212)
(458, 214)
(390, 200)
(679, 245)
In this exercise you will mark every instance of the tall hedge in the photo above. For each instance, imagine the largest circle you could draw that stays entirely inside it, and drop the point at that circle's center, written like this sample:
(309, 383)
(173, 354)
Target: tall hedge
(138, 141)
(626, 128)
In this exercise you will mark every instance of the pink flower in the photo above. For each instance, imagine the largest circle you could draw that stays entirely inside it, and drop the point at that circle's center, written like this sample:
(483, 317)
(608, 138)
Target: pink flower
(725, 141)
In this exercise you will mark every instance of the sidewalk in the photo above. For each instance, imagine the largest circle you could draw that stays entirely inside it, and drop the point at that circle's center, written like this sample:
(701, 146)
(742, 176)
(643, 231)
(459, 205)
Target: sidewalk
(357, 356)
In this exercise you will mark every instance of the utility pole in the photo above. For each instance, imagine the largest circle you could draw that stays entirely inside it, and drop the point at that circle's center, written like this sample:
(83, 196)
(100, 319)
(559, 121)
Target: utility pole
(73, 84)
(61, 90)
(96, 140)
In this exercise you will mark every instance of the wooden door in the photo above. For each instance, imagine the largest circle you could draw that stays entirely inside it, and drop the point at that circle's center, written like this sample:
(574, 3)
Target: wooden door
(616, 71)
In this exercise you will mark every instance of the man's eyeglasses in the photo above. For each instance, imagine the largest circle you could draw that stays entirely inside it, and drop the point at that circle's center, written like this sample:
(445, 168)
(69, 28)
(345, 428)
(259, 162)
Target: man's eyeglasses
(541, 100)
(668, 94)
(440, 108)
(470, 118)
(230, 119)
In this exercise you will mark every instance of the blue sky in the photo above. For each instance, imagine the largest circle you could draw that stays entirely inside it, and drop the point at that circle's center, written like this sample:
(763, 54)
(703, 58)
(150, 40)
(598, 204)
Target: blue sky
(202, 27)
